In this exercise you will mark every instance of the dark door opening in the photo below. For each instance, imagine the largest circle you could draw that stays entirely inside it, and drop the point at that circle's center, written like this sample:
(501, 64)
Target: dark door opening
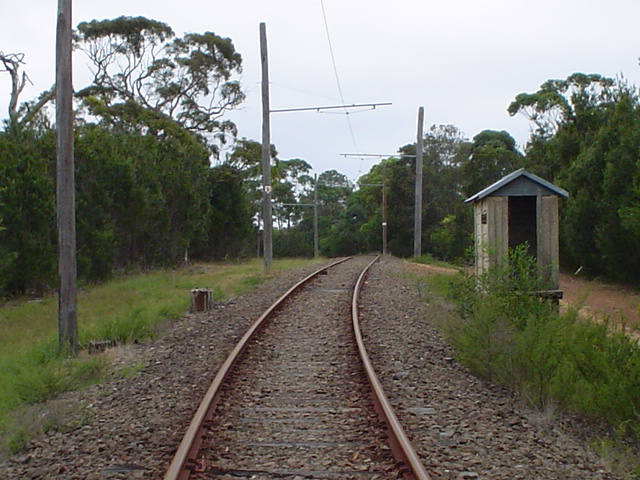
(523, 223)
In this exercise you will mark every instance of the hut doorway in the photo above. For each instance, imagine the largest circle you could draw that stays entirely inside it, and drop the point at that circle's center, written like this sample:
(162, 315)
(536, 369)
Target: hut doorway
(523, 223)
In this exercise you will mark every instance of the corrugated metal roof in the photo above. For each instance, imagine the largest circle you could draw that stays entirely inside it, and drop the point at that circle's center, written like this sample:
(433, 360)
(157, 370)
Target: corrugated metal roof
(510, 178)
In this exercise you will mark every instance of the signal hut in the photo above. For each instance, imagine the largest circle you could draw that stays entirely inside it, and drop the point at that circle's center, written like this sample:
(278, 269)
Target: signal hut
(519, 208)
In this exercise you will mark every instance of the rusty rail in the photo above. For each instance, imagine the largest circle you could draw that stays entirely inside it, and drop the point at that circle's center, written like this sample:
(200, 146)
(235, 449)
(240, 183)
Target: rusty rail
(401, 447)
(185, 458)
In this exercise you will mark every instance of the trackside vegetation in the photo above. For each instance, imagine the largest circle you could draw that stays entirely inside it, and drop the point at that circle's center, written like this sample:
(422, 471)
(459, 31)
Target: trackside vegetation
(31, 369)
(556, 361)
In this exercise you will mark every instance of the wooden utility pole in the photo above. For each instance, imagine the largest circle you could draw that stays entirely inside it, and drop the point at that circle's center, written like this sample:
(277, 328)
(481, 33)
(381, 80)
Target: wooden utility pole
(65, 186)
(266, 155)
(417, 225)
(316, 246)
(384, 209)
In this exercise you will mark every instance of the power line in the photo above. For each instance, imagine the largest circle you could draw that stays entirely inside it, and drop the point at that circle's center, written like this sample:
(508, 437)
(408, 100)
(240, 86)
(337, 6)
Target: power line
(335, 71)
(307, 92)
(333, 58)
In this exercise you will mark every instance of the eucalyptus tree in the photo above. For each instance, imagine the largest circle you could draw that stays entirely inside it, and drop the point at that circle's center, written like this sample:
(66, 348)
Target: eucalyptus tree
(558, 102)
(445, 219)
(587, 142)
(145, 131)
(332, 191)
(334, 188)
(291, 183)
(446, 222)
(565, 114)
(245, 158)
(144, 77)
(493, 154)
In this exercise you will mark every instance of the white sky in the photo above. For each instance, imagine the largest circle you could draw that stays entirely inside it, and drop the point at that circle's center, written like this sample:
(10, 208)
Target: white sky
(463, 60)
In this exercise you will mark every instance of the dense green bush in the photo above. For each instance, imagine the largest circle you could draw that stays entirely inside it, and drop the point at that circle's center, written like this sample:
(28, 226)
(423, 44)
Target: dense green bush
(141, 200)
(27, 210)
(293, 243)
(521, 341)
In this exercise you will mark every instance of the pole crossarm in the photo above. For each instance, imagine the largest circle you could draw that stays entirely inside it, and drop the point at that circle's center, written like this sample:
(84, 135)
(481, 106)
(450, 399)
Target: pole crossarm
(377, 155)
(331, 107)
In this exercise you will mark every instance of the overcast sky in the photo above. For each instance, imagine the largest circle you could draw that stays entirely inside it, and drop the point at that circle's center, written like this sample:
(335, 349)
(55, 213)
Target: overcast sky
(463, 60)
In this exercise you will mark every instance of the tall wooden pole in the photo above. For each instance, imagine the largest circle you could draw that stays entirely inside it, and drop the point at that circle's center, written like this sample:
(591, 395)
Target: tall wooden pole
(316, 246)
(65, 186)
(384, 209)
(417, 224)
(266, 154)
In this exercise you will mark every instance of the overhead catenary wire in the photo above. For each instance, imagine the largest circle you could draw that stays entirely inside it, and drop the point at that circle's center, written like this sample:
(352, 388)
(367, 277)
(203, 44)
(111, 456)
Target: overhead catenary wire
(335, 71)
(300, 90)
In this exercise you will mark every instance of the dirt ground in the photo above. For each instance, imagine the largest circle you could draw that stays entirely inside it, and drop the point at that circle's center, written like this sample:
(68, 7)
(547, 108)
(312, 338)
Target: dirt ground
(618, 303)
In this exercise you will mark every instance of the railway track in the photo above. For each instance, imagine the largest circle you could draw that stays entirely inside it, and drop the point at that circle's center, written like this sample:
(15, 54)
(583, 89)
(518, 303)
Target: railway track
(295, 400)
(463, 427)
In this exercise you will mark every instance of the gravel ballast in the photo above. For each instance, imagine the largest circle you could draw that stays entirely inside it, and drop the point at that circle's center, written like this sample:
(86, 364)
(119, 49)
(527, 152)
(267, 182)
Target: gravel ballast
(462, 427)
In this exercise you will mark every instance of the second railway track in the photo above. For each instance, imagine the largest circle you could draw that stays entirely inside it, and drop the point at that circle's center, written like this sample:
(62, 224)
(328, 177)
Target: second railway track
(296, 404)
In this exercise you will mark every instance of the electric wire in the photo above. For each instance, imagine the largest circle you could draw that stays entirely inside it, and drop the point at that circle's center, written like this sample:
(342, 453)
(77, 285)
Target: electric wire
(299, 90)
(335, 71)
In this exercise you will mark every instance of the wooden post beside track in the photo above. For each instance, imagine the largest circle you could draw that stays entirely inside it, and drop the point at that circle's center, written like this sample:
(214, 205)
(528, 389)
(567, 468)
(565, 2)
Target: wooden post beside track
(384, 208)
(417, 228)
(65, 186)
(266, 154)
(316, 247)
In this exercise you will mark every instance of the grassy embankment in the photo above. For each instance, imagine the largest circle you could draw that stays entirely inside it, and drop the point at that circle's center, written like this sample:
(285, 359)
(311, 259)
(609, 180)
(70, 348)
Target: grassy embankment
(126, 309)
(555, 361)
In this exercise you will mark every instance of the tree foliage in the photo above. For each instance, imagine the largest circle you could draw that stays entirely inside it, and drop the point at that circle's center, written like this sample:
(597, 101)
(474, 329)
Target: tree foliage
(144, 78)
(148, 195)
(493, 155)
(446, 221)
(27, 209)
(146, 192)
(140, 202)
(592, 152)
(333, 190)
(559, 102)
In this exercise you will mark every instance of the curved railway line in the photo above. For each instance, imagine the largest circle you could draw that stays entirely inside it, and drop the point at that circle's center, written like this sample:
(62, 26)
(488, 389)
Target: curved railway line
(292, 399)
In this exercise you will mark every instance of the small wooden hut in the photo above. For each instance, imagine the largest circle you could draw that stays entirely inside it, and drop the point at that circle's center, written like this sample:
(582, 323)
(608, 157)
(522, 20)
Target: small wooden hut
(519, 208)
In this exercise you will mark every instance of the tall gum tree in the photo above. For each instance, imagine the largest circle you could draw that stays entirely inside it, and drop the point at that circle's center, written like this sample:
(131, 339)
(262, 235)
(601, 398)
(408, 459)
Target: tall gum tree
(586, 141)
(144, 78)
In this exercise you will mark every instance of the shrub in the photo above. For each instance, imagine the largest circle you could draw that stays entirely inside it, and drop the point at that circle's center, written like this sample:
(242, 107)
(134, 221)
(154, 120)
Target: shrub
(521, 341)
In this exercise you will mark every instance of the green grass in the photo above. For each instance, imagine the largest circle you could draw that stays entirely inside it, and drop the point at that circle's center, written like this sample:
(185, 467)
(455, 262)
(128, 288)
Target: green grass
(129, 308)
(430, 260)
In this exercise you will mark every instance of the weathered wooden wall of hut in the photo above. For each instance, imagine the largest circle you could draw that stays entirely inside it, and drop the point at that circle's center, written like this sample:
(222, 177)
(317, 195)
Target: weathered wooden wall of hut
(548, 243)
(492, 232)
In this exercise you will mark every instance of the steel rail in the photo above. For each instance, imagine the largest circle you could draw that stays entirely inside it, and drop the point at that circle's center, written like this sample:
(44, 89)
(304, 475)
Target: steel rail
(179, 469)
(401, 447)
